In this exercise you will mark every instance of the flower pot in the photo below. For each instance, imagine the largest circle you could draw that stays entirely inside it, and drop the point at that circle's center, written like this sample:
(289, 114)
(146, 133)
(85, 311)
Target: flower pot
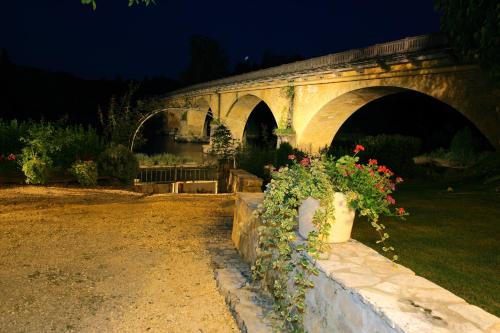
(341, 227)
(289, 138)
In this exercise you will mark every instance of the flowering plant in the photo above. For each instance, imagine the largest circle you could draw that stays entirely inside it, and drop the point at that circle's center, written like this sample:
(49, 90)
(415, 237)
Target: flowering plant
(368, 190)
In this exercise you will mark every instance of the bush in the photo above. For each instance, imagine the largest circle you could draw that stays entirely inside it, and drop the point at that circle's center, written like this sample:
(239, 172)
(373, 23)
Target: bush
(75, 143)
(11, 133)
(85, 172)
(463, 147)
(62, 144)
(394, 150)
(390, 149)
(160, 159)
(35, 169)
(285, 150)
(119, 162)
(255, 159)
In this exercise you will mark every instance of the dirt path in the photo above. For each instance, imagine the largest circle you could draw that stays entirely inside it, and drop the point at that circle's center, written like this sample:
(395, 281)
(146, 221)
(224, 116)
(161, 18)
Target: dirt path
(110, 261)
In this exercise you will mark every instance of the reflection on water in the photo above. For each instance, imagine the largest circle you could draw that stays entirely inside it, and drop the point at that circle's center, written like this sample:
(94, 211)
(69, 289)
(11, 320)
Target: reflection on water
(166, 144)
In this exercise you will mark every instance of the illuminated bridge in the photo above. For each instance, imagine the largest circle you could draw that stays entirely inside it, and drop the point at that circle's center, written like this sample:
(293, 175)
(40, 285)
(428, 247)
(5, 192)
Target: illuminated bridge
(310, 100)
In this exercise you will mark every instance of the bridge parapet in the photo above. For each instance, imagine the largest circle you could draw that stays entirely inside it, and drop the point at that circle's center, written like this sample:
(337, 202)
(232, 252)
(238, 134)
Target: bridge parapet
(394, 50)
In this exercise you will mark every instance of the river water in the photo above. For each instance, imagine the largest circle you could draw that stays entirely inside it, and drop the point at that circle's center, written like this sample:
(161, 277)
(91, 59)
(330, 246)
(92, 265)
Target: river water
(189, 150)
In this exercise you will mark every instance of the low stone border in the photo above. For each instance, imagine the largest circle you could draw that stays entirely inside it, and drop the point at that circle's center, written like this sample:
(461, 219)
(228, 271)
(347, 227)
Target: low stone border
(251, 309)
(243, 181)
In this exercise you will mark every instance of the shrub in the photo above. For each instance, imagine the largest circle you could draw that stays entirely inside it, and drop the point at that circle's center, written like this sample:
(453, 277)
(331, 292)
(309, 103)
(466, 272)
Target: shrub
(223, 146)
(11, 133)
(463, 147)
(85, 172)
(75, 143)
(119, 162)
(255, 159)
(395, 150)
(62, 144)
(283, 153)
(35, 169)
(160, 159)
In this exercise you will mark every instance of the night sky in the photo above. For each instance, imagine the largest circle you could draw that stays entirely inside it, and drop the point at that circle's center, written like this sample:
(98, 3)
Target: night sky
(64, 35)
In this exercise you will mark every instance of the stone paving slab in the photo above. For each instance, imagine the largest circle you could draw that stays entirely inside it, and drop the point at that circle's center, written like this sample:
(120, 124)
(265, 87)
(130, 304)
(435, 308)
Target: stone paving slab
(251, 309)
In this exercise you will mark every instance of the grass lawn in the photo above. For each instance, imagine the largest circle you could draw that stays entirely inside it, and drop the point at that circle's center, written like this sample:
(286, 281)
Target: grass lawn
(450, 238)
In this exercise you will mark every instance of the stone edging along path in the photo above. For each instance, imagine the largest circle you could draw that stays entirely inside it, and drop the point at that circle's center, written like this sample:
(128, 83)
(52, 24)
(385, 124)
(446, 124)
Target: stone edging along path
(360, 291)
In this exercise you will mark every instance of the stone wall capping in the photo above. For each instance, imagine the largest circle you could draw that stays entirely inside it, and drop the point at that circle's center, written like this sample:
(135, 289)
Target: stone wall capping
(360, 291)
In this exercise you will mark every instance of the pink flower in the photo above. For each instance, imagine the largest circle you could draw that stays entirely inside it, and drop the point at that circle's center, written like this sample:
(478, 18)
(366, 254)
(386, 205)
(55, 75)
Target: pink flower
(358, 149)
(305, 161)
(390, 199)
(292, 157)
(401, 211)
(358, 166)
(372, 162)
(399, 180)
(11, 157)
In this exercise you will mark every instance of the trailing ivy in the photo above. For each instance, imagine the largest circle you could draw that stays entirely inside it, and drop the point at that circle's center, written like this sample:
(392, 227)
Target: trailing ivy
(280, 253)
(286, 264)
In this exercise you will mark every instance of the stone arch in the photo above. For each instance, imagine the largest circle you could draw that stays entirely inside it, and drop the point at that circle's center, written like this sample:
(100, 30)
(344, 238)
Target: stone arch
(237, 116)
(323, 126)
(207, 124)
(141, 123)
(197, 116)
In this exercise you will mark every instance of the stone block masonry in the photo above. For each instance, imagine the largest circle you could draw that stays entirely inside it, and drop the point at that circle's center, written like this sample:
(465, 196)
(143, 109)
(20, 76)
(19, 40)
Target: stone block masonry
(360, 291)
(244, 181)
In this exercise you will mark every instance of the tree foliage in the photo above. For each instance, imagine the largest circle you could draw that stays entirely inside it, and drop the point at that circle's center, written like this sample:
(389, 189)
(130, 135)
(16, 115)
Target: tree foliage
(130, 2)
(123, 115)
(208, 61)
(473, 27)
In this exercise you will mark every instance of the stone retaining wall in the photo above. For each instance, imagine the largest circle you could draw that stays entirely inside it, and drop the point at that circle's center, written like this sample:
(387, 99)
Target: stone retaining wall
(360, 291)
(243, 181)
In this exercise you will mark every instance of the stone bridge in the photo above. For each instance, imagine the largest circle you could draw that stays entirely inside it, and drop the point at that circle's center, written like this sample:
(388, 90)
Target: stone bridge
(313, 98)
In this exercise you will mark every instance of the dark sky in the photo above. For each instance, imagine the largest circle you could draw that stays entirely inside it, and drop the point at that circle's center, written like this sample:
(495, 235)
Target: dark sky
(63, 35)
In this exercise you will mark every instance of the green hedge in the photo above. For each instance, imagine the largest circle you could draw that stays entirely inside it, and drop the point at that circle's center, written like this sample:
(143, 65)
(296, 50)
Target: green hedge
(119, 162)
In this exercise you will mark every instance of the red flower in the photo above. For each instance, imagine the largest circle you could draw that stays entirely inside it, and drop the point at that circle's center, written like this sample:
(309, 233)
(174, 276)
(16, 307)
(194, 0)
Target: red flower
(305, 161)
(358, 166)
(401, 211)
(372, 162)
(292, 157)
(382, 168)
(372, 174)
(388, 172)
(358, 149)
(390, 199)
(11, 157)
(399, 180)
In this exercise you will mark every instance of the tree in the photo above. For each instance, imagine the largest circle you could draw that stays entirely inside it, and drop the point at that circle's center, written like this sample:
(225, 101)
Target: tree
(124, 114)
(130, 2)
(473, 28)
(208, 61)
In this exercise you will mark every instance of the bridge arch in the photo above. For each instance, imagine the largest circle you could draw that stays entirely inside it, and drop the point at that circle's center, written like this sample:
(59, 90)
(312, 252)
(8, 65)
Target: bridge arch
(239, 113)
(327, 121)
(200, 117)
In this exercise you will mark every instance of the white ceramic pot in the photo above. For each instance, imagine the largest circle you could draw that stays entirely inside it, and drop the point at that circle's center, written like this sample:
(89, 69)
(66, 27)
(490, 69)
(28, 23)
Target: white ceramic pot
(341, 227)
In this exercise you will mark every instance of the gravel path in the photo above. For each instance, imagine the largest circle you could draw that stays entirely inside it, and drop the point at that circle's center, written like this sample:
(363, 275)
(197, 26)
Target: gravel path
(77, 260)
